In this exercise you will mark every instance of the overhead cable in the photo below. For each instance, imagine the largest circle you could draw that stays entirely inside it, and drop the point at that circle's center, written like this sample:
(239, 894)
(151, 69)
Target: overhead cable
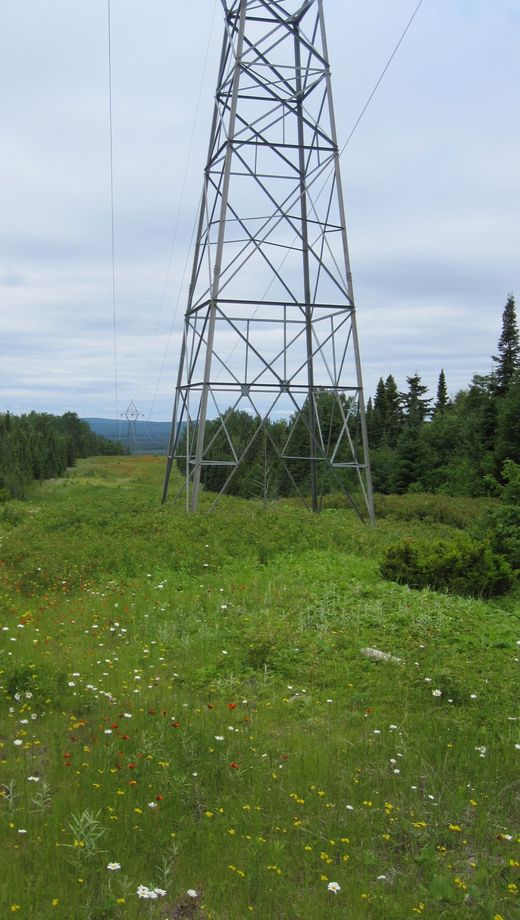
(114, 318)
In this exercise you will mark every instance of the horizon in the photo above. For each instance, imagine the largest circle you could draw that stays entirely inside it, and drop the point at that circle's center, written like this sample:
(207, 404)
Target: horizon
(430, 178)
(123, 420)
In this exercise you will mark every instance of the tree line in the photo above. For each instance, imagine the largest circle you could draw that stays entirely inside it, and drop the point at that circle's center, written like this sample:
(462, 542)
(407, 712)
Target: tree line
(458, 445)
(41, 446)
(417, 442)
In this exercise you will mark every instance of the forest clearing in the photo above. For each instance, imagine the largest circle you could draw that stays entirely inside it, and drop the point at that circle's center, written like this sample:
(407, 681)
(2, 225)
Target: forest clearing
(193, 724)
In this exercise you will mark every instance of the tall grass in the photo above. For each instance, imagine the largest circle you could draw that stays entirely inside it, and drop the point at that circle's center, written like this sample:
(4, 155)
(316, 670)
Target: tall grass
(190, 727)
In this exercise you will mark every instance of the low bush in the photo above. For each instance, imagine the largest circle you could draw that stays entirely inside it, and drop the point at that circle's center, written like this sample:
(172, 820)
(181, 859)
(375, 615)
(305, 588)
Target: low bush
(424, 506)
(510, 492)
(465, 566)
(500, 527)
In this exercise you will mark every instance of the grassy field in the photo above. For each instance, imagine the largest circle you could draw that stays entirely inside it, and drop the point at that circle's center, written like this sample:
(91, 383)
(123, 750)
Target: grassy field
(189, 728)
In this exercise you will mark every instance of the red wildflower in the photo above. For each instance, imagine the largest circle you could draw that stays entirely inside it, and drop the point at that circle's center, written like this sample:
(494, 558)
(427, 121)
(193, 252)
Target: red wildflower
(234, 765)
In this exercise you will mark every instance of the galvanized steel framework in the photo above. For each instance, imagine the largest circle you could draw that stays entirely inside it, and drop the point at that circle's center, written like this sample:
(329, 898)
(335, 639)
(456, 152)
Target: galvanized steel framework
(270, 322)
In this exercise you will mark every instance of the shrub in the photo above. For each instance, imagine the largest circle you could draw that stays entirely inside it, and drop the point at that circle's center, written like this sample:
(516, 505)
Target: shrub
(423, 506)
(465, 566)
(511, 490)
(500, 527)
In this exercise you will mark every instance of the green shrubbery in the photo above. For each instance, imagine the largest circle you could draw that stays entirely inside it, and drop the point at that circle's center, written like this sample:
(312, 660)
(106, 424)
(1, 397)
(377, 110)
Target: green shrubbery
(465, 566)
(484, 564)
(500, 524)
(456, 511)
(501, 528)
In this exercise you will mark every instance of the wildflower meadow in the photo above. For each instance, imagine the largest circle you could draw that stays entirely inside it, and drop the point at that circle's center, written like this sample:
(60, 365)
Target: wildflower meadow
(193, 723)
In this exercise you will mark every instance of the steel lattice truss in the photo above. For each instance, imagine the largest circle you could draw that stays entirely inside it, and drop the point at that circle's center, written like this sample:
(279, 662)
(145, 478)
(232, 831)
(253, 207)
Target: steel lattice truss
(132, 416)
(270, 321)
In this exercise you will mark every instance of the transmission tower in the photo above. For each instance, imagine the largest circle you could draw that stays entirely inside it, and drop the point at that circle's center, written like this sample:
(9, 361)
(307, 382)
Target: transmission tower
(132, 415)
(270, 323)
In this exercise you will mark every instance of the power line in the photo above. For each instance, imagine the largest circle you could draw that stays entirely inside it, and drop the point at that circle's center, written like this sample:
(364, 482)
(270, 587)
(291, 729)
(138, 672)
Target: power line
(114, 318)
(343, 148)
(177, 219)
(165, 355)
(341, 152)
(383, 72)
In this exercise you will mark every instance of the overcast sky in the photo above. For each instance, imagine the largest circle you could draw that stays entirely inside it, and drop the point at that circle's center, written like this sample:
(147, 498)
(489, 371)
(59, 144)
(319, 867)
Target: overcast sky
(431, 179)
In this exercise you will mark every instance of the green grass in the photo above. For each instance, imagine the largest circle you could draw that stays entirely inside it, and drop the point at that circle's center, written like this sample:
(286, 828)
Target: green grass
(192, 703)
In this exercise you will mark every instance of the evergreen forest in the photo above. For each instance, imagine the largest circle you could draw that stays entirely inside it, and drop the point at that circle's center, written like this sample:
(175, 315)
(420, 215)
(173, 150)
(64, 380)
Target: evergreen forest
(41, 446)
(418, 442)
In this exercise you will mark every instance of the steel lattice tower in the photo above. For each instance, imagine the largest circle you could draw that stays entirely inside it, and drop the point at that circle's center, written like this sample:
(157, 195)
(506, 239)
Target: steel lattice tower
(132, 416)
(270, 323)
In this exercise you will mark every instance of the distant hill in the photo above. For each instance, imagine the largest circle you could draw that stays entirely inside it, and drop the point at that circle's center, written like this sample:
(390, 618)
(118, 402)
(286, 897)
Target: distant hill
(150, 437)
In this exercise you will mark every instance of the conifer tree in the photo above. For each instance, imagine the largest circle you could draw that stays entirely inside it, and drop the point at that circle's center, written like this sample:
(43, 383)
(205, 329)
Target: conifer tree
(412, 460)
(39, 446)
(416, 405)
(442, 395)
(394, 412)
(369, 416)
(380, 397)
(507, 438)
(378, 419)
(508, 357)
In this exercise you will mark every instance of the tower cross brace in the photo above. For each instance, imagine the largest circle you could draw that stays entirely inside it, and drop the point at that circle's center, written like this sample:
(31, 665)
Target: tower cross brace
(270, 323)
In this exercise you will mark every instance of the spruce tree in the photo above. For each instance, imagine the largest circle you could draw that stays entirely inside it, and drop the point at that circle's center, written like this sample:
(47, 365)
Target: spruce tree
(380, 397)
(507, 439)
(378, 421)
(394, 412)
(442, 395)
(369, 416)
(416, 405)
(412, 460)
(508, 357)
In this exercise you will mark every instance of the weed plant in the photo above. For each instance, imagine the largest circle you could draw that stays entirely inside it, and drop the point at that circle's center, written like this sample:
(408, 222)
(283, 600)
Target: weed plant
(190, 729)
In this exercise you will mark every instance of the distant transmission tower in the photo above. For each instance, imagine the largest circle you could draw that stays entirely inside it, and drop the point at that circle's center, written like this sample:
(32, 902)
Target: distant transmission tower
(132, 415)
(270, 323)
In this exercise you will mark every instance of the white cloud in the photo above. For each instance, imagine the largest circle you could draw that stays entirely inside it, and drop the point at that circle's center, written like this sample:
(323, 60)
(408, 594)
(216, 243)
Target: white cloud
(430, 176)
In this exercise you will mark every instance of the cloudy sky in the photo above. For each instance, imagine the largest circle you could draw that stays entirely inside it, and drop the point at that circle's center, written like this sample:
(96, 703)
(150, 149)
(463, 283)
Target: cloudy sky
(431, 179)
